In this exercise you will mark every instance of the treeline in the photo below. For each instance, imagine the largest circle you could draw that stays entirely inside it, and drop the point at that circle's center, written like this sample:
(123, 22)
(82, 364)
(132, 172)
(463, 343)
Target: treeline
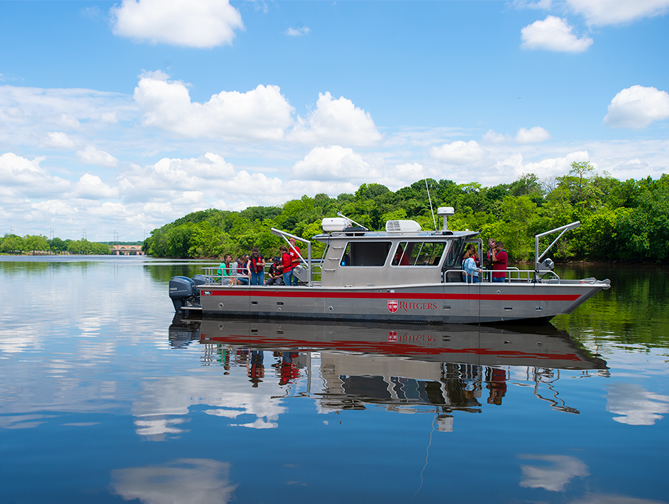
(31, 244)
(621, 220)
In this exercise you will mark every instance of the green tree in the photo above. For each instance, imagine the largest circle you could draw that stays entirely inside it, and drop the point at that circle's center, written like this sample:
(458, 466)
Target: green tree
(13, 244)
(36, 243)
(519, 212)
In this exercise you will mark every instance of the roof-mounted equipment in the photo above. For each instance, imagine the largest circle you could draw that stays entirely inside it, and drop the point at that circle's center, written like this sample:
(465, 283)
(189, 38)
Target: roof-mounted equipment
(402, 226)
(445, 212)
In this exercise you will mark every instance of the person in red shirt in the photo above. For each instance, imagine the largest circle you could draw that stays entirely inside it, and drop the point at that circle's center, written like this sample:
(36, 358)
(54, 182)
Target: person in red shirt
(499, 258)
(294, 259)
(287, 265)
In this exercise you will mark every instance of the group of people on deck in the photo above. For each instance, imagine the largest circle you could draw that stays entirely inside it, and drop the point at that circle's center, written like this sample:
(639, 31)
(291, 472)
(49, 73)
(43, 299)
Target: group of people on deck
(496, 258)
(250, 270)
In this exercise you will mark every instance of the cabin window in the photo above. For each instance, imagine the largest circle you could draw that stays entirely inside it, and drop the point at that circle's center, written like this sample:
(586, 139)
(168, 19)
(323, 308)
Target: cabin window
(365, 253)
(454, 256)
(419, 253)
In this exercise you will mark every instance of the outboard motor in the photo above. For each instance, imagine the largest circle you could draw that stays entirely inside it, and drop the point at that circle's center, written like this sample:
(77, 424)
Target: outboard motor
(199, 280)
(183, 292)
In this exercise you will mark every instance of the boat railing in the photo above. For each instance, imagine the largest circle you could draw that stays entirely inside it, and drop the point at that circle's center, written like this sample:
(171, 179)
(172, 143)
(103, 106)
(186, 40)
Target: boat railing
(211, 275)
(511, 275)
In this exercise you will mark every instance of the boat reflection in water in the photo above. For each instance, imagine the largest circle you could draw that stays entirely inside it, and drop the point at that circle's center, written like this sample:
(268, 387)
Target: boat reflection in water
(398, 367)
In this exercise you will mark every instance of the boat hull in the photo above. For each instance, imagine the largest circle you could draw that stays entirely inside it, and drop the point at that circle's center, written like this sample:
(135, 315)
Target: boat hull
(431, 303)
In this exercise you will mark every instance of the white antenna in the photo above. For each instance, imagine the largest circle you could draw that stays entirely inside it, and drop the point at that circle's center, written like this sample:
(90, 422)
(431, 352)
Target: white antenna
(431, 210)
(351, 220)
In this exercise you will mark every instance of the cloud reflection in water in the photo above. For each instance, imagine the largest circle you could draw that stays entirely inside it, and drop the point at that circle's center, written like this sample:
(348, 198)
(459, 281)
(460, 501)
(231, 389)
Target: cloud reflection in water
(196, 481)
(554, 477)
(635, 405)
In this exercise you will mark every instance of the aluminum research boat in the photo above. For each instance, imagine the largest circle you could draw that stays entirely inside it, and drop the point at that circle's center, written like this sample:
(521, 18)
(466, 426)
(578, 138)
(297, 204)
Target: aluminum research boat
(404, 274)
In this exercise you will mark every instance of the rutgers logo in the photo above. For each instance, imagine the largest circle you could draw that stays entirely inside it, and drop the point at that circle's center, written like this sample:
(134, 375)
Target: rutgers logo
(393, 306)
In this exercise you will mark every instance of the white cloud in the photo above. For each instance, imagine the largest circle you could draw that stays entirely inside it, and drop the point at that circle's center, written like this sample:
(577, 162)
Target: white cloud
(158, 208)
(458, 153)
(532, 135)
(336, 121)
(553, 477)
(127, 213)
(109, 117)
(92, 187)
(91, 155)
(189, 184)
(637, 107)
(260, 114)
(492, 136)
(553, 34)
(296, 32)
(29, 115)
(635, 405)
(55, 207)
(331, 163)
(409, 173)
(69, 122)
(533, 4)
(513, 165)
(25, 178)
(196, 23)
(605, 12)
(58, 140)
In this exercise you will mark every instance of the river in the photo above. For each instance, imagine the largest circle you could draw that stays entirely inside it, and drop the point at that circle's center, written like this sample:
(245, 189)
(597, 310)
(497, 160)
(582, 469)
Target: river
(107, 397)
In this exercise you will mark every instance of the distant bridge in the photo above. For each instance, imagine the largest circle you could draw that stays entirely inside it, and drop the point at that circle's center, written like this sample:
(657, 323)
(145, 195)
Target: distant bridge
(127, 250)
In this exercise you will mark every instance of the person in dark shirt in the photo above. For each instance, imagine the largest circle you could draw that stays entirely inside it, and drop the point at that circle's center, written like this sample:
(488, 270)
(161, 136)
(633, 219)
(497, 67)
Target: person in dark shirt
(257, 267)
(275, 273)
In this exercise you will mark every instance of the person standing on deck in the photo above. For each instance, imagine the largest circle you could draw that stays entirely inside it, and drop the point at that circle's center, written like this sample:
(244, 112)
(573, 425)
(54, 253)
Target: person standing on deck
(257, 267)
(287, 265)
(499, 258)
(294, 259)
(470, 268)
(487, 263)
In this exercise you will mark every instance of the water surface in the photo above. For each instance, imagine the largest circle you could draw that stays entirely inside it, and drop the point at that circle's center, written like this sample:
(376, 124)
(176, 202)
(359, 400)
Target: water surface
(106, 397)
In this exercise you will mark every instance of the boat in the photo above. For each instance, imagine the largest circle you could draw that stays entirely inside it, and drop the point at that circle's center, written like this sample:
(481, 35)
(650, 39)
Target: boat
(403, 274)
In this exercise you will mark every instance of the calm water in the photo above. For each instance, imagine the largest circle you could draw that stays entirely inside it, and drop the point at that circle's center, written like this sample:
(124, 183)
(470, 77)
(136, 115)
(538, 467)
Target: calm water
(105, 397)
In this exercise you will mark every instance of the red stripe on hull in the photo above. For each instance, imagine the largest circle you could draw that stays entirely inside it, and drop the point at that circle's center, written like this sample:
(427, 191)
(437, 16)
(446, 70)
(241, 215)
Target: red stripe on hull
(393, 295)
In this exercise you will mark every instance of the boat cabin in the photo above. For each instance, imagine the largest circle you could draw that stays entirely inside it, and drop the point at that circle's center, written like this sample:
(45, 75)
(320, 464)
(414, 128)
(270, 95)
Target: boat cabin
(402, 255)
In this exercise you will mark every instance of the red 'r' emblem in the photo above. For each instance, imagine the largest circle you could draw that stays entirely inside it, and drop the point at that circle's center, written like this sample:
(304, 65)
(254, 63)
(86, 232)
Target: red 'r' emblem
(392, 306)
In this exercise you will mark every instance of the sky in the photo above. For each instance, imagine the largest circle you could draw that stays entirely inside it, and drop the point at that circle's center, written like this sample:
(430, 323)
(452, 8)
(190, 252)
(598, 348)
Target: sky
(119, 117)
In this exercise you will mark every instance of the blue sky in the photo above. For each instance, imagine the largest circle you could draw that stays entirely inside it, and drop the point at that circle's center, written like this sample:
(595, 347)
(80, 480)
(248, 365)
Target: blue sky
(121, 117)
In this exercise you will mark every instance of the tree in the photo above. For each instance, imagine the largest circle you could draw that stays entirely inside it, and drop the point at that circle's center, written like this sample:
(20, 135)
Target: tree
(13, 244)
(581, 170)
(36, 243)
(519, 212)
